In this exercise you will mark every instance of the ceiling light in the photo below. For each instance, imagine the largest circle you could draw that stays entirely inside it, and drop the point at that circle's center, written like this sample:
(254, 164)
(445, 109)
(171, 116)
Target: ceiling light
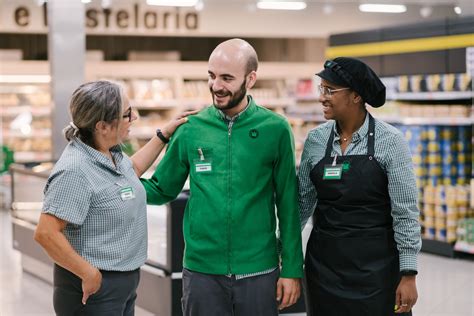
(458, 10)
(383, 8)
(106, 4)
(328, 8)
(426, 11)
(199, 5)
(281, 5)
(86, 1)
(173, 3)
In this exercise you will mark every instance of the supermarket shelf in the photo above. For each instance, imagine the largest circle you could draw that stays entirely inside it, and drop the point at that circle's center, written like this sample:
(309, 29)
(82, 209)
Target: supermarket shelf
(435, 96)
(155, 105)
(446, 249)
(310, 118)
(195, 103)
(23, 89)
(44, 132)
(16, 110)
(308, 98)
(463, 246)
(275, 102)
(29, 156)
(448, 121)
(200, 103)
(143, 132)
(438, 247)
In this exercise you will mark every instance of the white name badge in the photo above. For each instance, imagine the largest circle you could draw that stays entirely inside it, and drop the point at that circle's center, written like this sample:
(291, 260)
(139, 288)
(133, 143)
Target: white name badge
(332, 172)
(127, 193)
(204, 167)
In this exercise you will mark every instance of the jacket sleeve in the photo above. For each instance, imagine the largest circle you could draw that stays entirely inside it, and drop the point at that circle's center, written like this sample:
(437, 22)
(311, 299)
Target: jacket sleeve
(286, 195)
(170, 175)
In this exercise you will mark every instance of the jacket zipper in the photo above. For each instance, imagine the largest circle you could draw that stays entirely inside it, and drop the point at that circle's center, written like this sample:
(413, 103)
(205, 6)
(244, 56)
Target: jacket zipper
(229, 197)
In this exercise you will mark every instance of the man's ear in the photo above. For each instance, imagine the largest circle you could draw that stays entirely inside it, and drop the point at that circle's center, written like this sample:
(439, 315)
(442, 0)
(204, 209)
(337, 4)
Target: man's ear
(252, 78)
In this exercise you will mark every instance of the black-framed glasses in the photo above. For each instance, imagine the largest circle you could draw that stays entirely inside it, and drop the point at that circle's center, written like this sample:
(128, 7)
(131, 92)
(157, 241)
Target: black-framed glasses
(328, 92)
(128, 115)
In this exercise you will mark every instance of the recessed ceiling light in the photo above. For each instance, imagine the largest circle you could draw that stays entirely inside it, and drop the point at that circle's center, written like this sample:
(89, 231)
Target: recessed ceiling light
(199, 5)
(457, 9)
(328, 8)
(426, 11)
(281, 5)
(173, 3)
(382, 8)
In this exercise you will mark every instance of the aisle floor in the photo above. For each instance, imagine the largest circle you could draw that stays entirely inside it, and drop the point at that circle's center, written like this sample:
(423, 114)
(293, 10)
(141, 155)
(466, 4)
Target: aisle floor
(445, 286)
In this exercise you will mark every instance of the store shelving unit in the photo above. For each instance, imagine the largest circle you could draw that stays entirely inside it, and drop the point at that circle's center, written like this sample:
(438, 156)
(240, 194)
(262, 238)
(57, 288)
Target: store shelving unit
(160, 90)
(187, 89)
(25, 111)
(442, 113)
(433, 96)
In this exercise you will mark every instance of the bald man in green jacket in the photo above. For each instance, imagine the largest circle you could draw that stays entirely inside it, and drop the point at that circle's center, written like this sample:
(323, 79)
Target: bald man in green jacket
(240, 161)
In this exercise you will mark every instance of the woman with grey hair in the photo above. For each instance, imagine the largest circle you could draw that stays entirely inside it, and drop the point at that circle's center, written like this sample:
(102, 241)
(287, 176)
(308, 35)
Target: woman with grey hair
(94, 224)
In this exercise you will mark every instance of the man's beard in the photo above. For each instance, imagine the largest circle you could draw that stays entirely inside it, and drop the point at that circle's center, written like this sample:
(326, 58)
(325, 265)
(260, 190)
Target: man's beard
(235, 99)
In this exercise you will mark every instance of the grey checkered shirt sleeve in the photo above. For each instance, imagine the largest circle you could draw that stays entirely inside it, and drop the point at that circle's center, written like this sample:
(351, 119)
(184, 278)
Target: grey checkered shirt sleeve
(403, 198)
(67, 196)
(307, 192)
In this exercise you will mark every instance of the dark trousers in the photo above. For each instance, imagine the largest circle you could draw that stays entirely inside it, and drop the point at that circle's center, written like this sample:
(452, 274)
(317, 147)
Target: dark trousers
(220, 295)
(116, 296)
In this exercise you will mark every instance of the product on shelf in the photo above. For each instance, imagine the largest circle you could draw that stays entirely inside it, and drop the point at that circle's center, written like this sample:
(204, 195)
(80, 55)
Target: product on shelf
(442, 158)
(25, 119)
(435, 83)
(465, 236)
(196, 89)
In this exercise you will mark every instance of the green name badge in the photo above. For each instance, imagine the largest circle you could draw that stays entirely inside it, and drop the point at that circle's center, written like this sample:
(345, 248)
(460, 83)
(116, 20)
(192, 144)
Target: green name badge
(332, 172)
(127, 193)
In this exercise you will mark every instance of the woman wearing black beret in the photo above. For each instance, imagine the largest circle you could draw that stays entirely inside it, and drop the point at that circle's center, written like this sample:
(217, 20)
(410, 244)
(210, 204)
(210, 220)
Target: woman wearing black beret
(356, 179)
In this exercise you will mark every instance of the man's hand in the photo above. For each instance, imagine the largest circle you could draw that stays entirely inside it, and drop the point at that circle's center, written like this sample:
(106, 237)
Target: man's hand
(288, 292)
(406, 295)
(91, 283)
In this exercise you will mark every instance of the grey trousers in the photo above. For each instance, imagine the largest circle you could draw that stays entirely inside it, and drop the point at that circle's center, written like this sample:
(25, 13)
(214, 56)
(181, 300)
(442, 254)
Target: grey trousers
(116, 296)
(220, 295)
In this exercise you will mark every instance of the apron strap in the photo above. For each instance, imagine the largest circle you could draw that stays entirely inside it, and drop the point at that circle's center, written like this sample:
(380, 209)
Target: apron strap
(371, 136)
(330, 141)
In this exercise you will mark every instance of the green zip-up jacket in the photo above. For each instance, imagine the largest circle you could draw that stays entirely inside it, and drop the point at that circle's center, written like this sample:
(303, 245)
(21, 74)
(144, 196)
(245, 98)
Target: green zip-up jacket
(238, 173)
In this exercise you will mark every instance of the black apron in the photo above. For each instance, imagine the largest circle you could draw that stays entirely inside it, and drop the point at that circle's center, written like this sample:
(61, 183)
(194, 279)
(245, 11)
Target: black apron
(352, 263)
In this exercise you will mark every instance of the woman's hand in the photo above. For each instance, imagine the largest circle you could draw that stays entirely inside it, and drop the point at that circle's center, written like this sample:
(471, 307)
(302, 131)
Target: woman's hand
(172, 125)
(406, 295)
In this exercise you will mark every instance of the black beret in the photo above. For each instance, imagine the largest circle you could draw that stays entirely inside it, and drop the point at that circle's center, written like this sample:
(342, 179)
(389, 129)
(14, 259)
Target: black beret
(353, 73)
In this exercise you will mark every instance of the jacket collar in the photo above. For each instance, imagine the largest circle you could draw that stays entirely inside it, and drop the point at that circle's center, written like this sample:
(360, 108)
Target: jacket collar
(249, 109)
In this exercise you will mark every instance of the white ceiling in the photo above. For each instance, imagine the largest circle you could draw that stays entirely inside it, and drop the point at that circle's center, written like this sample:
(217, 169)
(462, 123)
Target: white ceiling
(241, 18)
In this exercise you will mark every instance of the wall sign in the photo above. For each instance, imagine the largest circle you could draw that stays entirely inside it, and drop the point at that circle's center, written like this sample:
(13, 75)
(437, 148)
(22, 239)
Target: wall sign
(132, 19)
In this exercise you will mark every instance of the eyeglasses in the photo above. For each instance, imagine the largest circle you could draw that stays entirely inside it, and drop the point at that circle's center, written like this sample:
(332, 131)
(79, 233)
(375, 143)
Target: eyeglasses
(128, 115)
(328, 92)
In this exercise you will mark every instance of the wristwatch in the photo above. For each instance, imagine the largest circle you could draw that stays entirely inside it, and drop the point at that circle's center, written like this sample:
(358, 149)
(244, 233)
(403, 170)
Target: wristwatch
(408, 272)
(160, 135)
